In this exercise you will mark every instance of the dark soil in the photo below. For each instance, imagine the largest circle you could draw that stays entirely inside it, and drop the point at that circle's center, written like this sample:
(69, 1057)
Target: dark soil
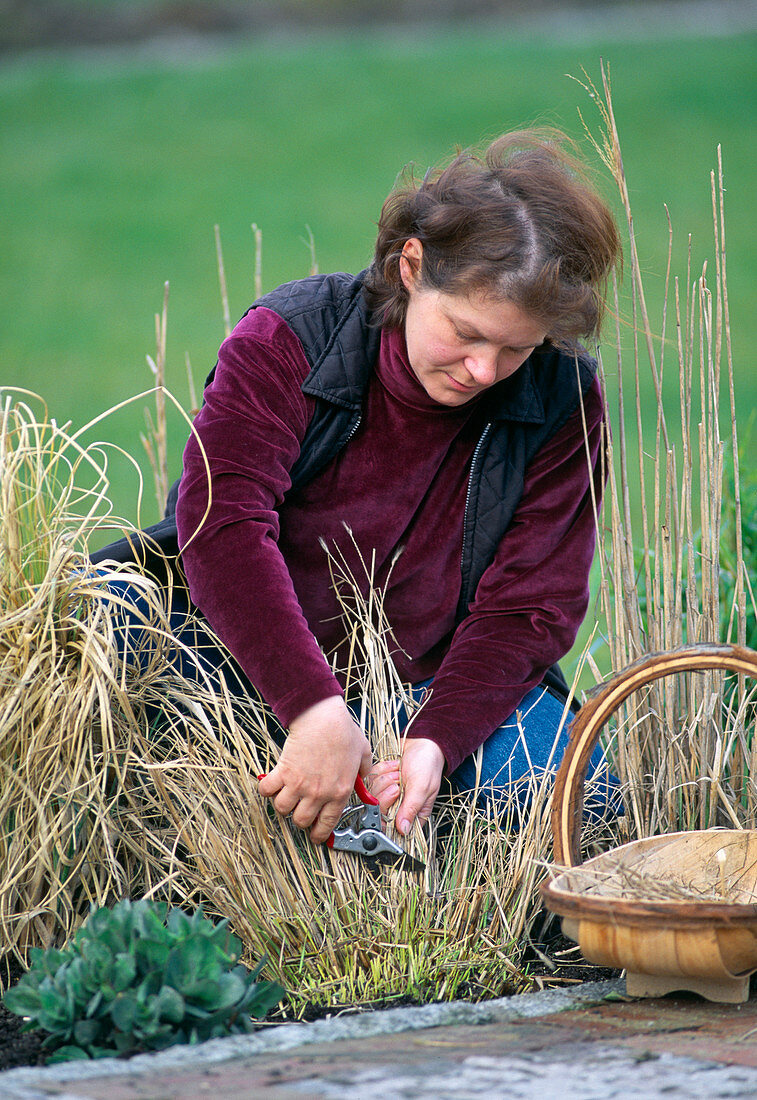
(17, 1047)
(563, 964)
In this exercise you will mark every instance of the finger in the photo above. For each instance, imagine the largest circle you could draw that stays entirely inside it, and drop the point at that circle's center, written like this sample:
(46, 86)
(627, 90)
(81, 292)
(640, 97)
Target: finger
(382, 783)
(285, 802)
(325, 824)
(305, 813)
(270, 784)
(414, 805)
(385, 767)
(387, 798)
(385, 788)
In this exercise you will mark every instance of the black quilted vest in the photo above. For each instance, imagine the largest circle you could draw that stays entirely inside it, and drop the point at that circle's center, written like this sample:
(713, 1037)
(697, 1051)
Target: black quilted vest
(330, 316)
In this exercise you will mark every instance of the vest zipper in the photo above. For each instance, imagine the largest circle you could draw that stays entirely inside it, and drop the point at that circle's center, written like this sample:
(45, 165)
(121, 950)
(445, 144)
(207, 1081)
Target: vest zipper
(353, 429)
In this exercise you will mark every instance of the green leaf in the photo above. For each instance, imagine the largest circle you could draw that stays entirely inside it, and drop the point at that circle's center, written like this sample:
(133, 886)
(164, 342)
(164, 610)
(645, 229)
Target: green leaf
(185, 964)
(257, 970)
(124, 1042)
(163, 1038)
(123, 1011)
(124, 971)
(86, 1031)
(262, 997)
(23, 999)
(204, 994)
(151, 924)
(179, 924)
(172, 1007)
(152, 955)
(231, 989)
(100, 1052)
(67, 1053)
(55, 1011)
(47, 962)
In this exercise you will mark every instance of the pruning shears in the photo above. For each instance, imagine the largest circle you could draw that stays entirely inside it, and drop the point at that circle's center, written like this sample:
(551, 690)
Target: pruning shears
(360, 831)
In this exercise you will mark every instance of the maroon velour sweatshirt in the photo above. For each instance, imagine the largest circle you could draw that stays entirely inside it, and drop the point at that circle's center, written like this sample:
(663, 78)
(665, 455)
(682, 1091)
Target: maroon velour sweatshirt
(257, 570)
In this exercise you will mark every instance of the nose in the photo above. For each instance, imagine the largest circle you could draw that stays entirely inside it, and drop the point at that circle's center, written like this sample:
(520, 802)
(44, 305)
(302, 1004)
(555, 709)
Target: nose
(482, 367)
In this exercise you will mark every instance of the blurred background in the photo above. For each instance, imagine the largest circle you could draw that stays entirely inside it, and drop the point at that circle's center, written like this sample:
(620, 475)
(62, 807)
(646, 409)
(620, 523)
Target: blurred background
(130, 128)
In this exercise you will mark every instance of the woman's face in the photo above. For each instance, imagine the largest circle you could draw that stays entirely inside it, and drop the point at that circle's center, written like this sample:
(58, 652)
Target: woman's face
(459, 345)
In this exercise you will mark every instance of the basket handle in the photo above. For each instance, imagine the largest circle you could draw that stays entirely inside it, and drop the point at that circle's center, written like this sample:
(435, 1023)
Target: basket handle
(586, 727)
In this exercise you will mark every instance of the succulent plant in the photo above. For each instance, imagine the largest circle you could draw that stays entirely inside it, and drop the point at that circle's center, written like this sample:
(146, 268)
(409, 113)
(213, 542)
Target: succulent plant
(139, 976)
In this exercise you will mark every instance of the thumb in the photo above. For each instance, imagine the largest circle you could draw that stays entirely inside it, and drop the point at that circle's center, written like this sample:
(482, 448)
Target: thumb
(416, 804)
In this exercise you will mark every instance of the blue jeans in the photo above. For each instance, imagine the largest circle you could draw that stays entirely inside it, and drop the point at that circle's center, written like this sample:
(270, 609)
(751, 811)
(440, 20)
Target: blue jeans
(528, 745)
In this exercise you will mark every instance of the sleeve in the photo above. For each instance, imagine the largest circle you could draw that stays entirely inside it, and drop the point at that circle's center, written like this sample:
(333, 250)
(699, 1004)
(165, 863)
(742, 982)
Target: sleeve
(250, 428)
(532, 598)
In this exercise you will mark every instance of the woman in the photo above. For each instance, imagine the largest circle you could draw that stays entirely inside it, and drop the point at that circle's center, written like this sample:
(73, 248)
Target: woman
(439, 403)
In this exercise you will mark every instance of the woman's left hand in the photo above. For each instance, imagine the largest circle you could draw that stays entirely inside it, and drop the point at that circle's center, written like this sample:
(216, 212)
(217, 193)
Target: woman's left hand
(420, 770)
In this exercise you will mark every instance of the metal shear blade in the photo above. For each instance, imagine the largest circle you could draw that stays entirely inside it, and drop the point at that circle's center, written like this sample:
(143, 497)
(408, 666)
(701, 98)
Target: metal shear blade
(360, 831)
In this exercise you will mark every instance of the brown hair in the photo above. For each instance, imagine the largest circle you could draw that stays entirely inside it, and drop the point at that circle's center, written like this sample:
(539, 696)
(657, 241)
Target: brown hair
(520, 222)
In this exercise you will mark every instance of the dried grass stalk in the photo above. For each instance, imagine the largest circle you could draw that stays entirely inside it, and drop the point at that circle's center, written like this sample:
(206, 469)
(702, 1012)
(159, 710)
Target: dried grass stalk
(684, 746)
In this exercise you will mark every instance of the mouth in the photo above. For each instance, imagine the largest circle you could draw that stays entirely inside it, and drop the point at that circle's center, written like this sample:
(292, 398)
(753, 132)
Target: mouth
(459, 387)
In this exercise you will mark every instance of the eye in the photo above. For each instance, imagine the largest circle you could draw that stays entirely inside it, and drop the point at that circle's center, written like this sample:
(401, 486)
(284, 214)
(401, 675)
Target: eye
(465, 337)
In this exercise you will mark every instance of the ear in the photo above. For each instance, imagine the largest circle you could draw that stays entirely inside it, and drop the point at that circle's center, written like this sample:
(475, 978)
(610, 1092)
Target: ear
(410, 263)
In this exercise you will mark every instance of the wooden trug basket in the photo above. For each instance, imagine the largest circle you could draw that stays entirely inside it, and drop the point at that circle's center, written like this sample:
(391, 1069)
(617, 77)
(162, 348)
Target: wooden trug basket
(696, 943)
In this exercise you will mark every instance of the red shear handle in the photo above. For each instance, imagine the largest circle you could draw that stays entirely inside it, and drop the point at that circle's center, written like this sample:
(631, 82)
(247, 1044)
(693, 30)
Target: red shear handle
(363, 793)
(365, 797)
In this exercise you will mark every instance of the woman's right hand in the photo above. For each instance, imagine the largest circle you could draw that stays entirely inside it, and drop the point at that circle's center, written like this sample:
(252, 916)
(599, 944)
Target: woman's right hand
(315, 775)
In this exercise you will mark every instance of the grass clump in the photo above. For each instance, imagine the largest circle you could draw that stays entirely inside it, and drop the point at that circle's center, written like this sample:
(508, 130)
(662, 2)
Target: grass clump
(63, 745)
(337, 931)
(73, 711)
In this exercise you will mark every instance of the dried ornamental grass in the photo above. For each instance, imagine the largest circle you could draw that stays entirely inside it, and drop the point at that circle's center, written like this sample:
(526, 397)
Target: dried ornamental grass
(124, 778)
(70, 707)
(61, 747)
(336, 931)
(685, 748)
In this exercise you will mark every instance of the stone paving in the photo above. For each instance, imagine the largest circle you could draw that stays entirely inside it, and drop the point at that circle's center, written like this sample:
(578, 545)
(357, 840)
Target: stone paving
(587, 1042)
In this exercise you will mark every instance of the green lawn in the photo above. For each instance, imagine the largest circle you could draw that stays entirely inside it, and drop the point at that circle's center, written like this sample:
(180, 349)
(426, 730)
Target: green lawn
(114, 169)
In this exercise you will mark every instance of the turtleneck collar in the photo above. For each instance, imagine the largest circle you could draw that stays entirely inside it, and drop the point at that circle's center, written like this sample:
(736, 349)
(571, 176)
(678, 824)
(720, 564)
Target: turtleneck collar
(397, 377)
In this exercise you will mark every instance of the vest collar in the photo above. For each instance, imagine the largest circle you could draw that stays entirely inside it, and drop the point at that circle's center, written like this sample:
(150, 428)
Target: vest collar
(341, 371)
(518, 397)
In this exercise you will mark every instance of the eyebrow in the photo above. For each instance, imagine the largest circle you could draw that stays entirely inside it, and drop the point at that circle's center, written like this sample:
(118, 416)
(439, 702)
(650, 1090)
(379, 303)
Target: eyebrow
(475, 334)
(523, 347)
